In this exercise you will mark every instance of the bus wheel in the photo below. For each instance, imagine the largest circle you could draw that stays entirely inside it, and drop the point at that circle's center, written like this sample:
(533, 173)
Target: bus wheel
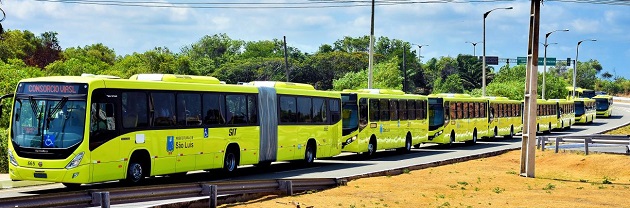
(230, 162)
(549, 130)
(371, 147)
(309, 154)
(511, 133)
(72, 185)
(474, 139)
(562, 125)
(452, 138)
(135, 172)
(407, 147)
(496, 132)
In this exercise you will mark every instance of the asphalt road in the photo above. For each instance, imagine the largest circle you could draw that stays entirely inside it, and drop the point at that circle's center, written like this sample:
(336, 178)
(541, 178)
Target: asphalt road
(347, 165)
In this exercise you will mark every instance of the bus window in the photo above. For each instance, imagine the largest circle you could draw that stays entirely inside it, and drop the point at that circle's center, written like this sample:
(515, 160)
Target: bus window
(134, 112)
(252, 109)
(363, 113)
(350, 114)
(214, 107)
(319, 110)
(402, 110)
(374, 110)
(164, 112)
(335, 110)
(236, 109)
(188, 109)
(288, 109)
(393, 110)
(384, 109)
(411, 109)
(304, 110)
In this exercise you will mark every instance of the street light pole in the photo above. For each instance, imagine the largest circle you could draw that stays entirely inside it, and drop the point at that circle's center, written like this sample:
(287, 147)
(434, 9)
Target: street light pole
(483, 69)
(474, 47)
(371, 56)
(545, 60)
(420, 52)
(577, 52)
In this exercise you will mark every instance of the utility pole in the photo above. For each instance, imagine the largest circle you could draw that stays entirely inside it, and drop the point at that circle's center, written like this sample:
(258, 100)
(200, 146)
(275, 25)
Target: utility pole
(371, 56)
(404, 68)
(528, 144)
(286, 58)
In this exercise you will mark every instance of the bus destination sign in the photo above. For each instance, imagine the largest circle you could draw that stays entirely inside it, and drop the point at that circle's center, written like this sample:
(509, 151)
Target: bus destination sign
(53, 88)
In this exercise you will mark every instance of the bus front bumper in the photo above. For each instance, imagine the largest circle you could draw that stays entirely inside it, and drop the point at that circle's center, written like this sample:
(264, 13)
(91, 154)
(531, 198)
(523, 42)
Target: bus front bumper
(76, 175)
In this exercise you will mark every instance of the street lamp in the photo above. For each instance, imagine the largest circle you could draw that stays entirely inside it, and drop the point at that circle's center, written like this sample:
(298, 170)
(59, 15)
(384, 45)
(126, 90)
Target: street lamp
(419, 50)
(545, 59)
(577, 52)
(474, 47)
(483, 69)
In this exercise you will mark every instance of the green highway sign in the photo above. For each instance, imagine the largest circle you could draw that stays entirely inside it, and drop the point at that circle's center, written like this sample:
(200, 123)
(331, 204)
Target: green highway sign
(523, 61)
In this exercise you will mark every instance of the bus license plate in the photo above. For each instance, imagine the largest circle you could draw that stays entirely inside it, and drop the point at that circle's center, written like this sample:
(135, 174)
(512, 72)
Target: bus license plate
(40, 175)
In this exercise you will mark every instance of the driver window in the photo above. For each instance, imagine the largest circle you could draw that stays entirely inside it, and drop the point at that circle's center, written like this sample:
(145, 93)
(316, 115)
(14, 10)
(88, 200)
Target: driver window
(102, 117)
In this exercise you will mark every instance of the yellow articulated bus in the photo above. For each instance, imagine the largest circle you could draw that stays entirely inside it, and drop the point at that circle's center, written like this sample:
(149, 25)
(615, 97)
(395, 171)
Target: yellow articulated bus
(505, 117)
(378, 119)
(78, 130)
(546, 118)
(565, 113)
(603, 105)
(584, 110)
(457, 118)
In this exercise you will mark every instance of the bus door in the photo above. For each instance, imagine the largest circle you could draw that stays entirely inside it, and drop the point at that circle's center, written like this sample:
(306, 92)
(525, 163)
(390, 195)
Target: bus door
(107, 160)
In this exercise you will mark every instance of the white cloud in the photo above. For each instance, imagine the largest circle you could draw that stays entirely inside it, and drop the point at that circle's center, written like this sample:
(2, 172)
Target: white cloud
(585, 25)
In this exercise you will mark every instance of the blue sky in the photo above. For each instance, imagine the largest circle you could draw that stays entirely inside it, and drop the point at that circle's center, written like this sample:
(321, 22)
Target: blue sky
(445, 27)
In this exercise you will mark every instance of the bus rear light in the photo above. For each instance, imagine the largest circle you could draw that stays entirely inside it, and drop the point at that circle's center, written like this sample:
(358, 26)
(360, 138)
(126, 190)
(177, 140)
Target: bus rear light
(12, 159)
(75, 161)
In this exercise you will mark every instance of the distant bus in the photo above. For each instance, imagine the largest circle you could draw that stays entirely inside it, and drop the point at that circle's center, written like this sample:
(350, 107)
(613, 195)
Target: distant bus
(505, 117)
(547, 117)
(580, 93)
(565, 113)
(78, 130)
(584, 110)
(378, 119)
(603, 105)
(457, 118)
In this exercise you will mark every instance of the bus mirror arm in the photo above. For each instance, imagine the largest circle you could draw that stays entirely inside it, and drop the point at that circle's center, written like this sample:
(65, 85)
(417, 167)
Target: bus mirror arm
(10, 95)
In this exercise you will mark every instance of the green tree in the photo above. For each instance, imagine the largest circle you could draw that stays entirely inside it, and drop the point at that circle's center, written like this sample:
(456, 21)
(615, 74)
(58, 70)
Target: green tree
(386, 76)
(452, 84)
(17, 44)
(209, 53)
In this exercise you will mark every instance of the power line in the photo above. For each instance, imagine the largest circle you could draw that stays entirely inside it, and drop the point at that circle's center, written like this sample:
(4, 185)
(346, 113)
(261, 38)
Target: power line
(258, 5)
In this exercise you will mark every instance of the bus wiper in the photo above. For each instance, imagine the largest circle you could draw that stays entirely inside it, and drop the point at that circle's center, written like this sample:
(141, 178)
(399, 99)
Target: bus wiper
(56, 110)
(36, 112)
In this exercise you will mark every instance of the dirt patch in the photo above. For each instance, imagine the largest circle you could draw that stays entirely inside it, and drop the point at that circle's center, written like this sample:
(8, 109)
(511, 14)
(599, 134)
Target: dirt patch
(566, 179)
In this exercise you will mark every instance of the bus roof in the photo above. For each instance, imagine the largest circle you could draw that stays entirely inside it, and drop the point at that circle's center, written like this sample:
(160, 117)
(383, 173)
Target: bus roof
(289, 85)
(377, 91)
(452, 95)
(176, 78)
(603, 96)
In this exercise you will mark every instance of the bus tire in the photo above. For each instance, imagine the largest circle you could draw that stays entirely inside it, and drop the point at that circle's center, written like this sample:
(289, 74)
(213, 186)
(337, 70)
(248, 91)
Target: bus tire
(549, 130)
(562, 125)
(371, 147)
(135, 172)
(496, 132)
(230, 160)
(310, 152)
(452, 138)
(511, 135)
(408, 145)
(474, 138)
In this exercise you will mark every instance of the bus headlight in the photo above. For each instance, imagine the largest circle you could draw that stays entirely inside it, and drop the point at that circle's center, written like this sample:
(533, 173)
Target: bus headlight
(75, 162)
(350, 140)
(438, 133)
(12, 159)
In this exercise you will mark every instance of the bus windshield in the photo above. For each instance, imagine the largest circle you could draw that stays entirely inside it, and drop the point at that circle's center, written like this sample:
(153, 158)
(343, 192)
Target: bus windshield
(350, 115)
(436, 113)
(588, 94)
(579, 108)
(48, 123)
(602, 104)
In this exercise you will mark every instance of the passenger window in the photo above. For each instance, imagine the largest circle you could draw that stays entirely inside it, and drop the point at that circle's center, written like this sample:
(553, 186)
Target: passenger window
(411, 109)
(252, 109)
(402, 110)
(393, 110)
(374, 110)
(134, 112)
(164, 109)
(335, 110)
(236, 109)
(384, 108)
(189, 109)
(319, 110)
(214, 108)
(288, 109)
(304, 109)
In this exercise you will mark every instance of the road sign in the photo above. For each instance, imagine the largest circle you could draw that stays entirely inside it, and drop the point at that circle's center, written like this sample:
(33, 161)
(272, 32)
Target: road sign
(492, 60)
(523, 61)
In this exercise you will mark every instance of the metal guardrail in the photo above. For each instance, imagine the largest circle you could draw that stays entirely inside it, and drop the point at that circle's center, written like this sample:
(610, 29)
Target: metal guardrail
(214, 191)
(586, 140)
